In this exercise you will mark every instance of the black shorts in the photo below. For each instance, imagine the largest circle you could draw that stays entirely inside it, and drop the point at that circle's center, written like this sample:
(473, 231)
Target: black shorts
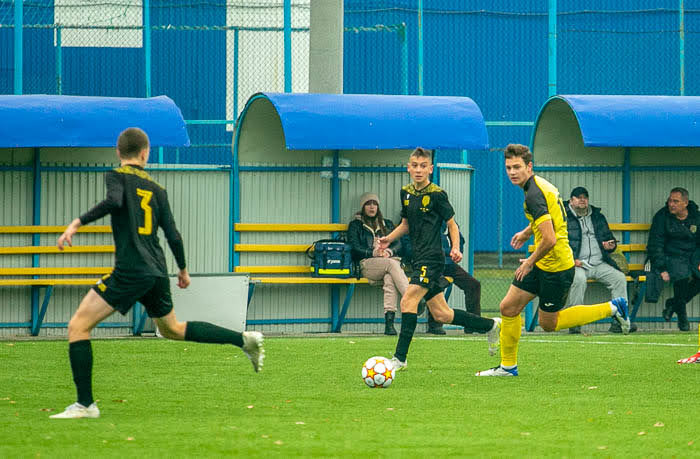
(429, 275)
(552, 288)
(121, 292)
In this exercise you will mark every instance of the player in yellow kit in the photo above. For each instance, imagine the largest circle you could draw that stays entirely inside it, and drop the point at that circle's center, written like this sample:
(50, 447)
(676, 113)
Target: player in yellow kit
(548, 272)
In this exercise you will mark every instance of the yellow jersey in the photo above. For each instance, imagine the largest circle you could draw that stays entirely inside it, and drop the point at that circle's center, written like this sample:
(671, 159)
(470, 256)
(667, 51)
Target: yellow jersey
(542, 203)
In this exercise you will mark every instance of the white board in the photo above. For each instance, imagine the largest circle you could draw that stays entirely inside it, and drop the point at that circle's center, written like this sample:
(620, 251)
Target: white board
(221, 299)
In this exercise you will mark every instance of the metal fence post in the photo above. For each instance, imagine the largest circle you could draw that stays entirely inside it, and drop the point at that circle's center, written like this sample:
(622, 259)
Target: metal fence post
(552, 42)
(19, 45)
(287, 45)
(420, 47)
(147, 44)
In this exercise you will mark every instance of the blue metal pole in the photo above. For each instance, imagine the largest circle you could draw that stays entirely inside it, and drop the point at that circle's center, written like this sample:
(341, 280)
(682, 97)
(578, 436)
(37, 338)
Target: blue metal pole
(160, 155)
(235, 74)
(499, 225)
(36, 240)
(147, 43)
(287, 45)
(626, 193)
(59, 62)
(681, 43)
(19, 45)
(335, 189)
(552, 42)
(472, 188)
(403, 39)
(420, 47)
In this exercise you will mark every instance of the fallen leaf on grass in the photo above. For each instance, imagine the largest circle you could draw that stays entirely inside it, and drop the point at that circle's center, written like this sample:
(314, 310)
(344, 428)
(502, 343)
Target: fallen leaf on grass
(13, 402)
(10, 344)
(602, 447)
(390, 409)
(525, 434)
(300, 423)
(351, 342)
(129, 438)
(278, 442)
(592, 387)
(265, 436)
(249, 406)
(659, 424)
(641, 433)
(691, 442)
(119, 400)
(5, 398)
(47, 409)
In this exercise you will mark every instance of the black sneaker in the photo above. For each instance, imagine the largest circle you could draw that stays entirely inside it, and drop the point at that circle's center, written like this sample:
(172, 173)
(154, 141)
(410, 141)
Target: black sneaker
(438, 330)
(615, 328)
(577, 330)
(667, 313)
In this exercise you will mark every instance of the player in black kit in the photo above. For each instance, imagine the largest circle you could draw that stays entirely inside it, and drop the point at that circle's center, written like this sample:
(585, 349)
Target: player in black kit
(138, 207)
(424, 208)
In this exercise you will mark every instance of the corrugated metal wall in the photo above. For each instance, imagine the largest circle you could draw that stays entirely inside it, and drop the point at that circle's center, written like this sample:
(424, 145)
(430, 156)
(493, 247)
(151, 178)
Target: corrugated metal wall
(293, 197)
(199, 200)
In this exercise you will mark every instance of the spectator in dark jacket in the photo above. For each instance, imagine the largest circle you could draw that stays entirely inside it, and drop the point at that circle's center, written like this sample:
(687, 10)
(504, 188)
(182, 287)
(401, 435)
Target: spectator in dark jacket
(674, 243)
(364, 230)
(592, 242)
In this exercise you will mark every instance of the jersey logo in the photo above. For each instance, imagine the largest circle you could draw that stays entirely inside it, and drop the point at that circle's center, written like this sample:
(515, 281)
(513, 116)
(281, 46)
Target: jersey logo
(405, 202)
(425, 201)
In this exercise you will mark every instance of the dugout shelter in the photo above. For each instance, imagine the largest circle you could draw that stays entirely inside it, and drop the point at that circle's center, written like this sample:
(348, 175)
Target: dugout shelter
(629, 152)
(304, 160)
(54, 151)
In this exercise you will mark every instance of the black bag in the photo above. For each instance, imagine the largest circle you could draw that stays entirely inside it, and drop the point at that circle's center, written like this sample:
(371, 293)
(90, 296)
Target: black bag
(331, 258)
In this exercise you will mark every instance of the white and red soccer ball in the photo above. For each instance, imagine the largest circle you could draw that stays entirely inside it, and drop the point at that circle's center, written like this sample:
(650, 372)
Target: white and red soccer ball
(378, 372)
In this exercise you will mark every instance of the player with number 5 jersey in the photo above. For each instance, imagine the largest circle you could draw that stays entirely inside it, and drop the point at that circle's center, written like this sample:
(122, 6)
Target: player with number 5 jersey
(138, 206)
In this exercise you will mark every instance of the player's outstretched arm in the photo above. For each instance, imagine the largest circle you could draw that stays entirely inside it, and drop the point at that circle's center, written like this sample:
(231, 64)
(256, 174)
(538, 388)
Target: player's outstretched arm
(67, 236)
(399, 231)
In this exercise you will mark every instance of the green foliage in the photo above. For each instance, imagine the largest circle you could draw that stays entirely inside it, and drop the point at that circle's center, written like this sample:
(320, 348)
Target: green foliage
(592, 396)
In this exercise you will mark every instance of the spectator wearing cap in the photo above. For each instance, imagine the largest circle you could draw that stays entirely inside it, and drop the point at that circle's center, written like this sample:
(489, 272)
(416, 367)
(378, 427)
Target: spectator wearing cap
(377, 265)
(592, 242)
(674, 251)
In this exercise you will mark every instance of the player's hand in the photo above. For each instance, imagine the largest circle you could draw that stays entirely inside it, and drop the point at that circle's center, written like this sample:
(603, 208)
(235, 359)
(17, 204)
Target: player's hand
(519, 239)
(183, 278)
(578, 263)
(456, 255)
(523, 270)
(67, 236)
(665, 276)
(387, 253)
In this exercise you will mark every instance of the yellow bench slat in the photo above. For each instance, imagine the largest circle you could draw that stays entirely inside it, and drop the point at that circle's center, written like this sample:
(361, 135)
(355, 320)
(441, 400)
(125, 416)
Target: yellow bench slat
(56, 271)
(308, 280)
(632, 247)
(272, 269)
(271, 247)
(629, 226)
(46, 282)
(54, 249)
(281, 227)
(53, 229)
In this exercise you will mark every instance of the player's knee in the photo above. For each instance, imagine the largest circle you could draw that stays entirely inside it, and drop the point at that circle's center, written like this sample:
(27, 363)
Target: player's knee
(175, 331)
(440, 316)
(548, 326)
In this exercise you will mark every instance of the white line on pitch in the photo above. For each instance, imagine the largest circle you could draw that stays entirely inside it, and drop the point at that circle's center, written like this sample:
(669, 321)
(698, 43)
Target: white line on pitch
(530, 340)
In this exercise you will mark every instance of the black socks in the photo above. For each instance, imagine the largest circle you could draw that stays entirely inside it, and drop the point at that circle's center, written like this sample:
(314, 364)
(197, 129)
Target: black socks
(80, 355)
(205, 332)
(472, 321)
(408, 326)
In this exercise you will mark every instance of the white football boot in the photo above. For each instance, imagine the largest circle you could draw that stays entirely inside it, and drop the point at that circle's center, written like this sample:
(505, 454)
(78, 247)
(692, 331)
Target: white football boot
(76, 410)
(253, 349)
(494, 336)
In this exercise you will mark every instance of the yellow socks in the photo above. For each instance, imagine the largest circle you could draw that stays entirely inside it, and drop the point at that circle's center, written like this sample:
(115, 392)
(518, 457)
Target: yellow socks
(511, 329)
(581, 315)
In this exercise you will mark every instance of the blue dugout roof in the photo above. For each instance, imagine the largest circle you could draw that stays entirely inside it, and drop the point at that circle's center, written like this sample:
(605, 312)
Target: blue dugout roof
(376, 122)
(632, 121)
(76, 121)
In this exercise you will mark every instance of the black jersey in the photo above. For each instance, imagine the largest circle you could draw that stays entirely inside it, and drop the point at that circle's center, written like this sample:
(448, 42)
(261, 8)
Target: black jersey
(426, 210)
(138, 206)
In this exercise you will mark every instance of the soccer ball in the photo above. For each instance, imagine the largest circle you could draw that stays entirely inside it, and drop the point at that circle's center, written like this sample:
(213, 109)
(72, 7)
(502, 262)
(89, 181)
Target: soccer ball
(378, 372)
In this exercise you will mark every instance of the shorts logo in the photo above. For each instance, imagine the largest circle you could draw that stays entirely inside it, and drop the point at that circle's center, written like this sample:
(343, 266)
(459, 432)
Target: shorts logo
(424, 280)
(693, 229)
(548, 305)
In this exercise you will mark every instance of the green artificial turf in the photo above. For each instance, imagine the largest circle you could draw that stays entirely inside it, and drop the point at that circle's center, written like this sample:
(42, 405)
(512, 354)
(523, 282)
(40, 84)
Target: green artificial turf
(576, 396)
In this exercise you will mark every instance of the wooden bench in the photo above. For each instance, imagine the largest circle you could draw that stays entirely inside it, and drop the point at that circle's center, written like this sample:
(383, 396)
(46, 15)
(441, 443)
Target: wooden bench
(43, 277)
(626, 248)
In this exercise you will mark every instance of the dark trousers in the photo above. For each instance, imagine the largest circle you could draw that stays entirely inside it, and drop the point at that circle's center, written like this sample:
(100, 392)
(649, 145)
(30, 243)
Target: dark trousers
(685, 290)
(468, 284)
